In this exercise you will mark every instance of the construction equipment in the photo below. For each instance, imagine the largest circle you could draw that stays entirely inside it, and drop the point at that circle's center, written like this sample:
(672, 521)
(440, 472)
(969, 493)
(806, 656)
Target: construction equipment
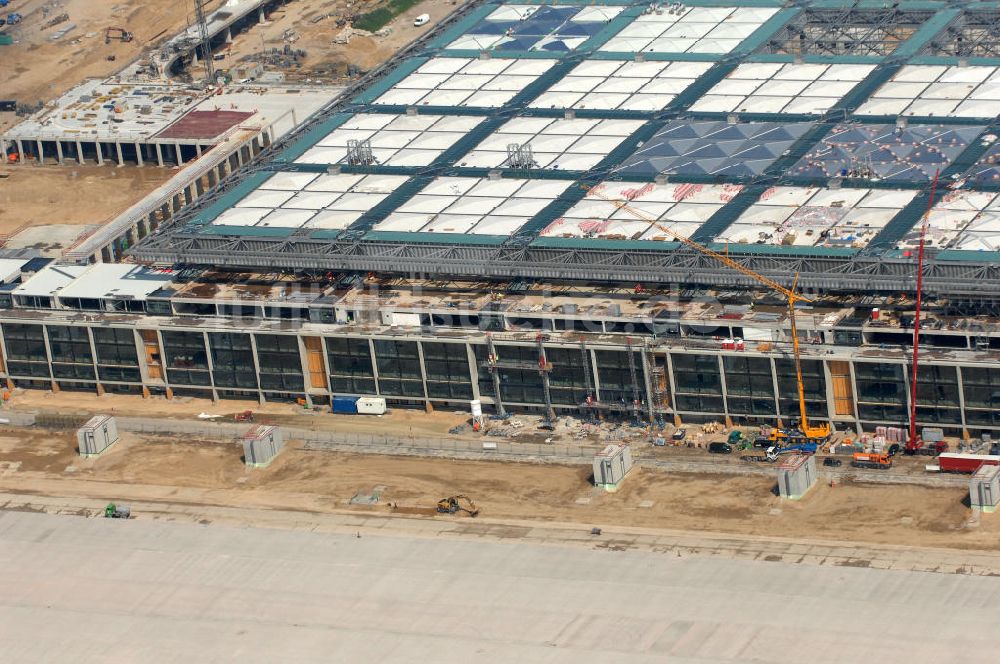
(802, 448)
(245, 416)
(872, 460)
(13, 18)
(117, 34)
(454, 504)
(113, 511)
(802, 429)
(913, 444)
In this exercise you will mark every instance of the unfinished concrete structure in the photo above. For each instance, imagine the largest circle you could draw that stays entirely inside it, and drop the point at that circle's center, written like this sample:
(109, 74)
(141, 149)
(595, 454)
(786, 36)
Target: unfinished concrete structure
(796, 475)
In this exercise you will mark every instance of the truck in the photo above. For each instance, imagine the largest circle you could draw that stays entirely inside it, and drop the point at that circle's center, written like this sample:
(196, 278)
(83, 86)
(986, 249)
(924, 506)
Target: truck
(802, 448)
(872, 460)
(950, 462)
(925, 447)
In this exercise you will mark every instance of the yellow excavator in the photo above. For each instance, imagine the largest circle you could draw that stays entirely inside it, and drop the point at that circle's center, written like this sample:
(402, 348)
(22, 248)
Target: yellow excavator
(454, 504)
(801, 431)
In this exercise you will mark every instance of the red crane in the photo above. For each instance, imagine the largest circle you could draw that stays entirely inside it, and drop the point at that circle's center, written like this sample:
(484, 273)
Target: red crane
(913, 443)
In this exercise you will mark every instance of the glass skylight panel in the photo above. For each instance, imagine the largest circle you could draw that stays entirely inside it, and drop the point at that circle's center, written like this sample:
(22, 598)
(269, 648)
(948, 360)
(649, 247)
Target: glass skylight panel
(667, 29)
(309, 200)
(968, 220)
(930, 90)
(817, 217)
(575, 145)
(536, 28)
(487, 83)
(612, 84)
(475, 206)
(782, 88)
(396, 140)
(682, 208)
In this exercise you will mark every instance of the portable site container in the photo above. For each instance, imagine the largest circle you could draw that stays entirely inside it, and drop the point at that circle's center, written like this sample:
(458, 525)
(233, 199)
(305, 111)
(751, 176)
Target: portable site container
(261, 444)
(611, 465)
(98, 434)
(370, 405)
(345, 405)
(984, 488)
(796, 475)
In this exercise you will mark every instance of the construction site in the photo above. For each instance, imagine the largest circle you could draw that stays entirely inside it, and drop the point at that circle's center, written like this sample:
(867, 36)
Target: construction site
(618, 268)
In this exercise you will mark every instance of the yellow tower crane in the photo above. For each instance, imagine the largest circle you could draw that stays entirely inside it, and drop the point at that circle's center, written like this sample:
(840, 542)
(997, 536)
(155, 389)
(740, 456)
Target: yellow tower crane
(815, 434)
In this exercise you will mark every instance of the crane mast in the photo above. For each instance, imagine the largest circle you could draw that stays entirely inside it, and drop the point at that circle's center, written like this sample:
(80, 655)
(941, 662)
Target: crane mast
(809, 432)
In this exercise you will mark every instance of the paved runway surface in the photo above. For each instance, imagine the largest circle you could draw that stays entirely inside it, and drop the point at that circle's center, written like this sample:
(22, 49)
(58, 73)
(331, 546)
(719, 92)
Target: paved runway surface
(94, 590)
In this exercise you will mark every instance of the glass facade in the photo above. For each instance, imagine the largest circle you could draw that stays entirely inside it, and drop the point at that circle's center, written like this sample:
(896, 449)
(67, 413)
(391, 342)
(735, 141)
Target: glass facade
(117, 359)
(698, 383)
(280, 363)
(350, 364)
(70, 349)
(186, 358)
(813, 387)
(749, 385)
(398, 368)
(881, 392)
(937, 395)
(232, 360)
(26, 354)
(447, 367)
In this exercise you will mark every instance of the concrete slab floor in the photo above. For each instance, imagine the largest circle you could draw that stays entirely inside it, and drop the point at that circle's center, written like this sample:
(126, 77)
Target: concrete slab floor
(150, 590)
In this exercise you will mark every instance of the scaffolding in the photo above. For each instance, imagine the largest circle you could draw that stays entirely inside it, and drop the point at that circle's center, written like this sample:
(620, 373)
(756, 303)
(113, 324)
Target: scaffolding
(846, 31)
(973, 34)
(542, 366)
(520, 156)
(204, 41)
(359, 152)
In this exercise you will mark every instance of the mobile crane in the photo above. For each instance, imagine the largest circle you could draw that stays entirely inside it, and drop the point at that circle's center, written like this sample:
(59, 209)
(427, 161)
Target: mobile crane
(803, 432)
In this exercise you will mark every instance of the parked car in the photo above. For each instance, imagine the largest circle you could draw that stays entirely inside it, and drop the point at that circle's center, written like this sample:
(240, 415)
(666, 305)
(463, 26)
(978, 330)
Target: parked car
(833, 463)
(679, 434)
(423, 19)
(720, 448)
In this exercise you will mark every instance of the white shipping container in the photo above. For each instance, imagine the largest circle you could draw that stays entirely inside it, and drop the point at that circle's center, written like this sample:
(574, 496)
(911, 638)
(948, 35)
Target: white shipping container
(98, 434)
(371, 405)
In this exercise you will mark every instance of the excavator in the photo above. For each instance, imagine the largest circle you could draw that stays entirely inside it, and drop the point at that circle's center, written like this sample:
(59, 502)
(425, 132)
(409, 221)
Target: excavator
(801, 431)
(455, 504)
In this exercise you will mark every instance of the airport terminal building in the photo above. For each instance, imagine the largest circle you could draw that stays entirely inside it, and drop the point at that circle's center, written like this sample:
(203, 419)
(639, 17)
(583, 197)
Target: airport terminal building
(494, 215)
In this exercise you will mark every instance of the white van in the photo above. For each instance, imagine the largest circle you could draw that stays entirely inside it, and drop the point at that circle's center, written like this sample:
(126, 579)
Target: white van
(423, 19)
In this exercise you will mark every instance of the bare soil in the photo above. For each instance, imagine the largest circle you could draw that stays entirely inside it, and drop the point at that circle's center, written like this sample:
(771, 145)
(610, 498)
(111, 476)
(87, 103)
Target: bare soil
(72, 194)
(211, 473)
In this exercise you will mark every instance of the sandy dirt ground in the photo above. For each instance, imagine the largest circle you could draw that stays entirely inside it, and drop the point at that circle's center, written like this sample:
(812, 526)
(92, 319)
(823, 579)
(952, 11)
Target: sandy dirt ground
(37, 69)
(41, 462)
(325, 61)
(82, 195)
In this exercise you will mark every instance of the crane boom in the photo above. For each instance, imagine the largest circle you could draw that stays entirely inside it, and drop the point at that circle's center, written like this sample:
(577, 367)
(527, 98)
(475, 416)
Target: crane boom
(818, 432)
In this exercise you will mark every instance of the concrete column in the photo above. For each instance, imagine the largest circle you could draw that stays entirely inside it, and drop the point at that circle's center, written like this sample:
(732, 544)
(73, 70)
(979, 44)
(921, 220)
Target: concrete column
(725, 390)
(59, 152)
(118, 151)
(423, 376)
(197, 149)
(673, 388)
(260, 15)
(138, 154)
(79, 152)
(3, 148)
(229, 36)
(473, 370)
(256, 367)
(371, 351)
(177, 149)
(20, 151)
(99, 149)
(854, 397)
(777, 392)
(41, 152)
(159, 155)
(961, 401)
